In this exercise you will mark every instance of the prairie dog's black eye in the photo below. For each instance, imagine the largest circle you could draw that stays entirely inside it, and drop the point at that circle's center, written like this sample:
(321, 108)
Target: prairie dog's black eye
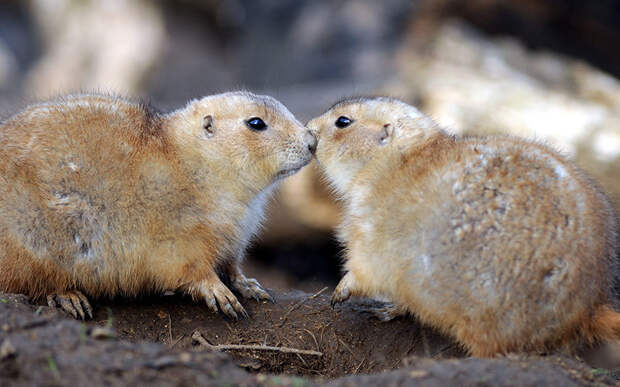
(343, 122)
(255, 123)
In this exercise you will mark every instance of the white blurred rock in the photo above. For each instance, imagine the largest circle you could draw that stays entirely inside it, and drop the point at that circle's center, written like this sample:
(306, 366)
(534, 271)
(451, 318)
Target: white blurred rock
(95, 44)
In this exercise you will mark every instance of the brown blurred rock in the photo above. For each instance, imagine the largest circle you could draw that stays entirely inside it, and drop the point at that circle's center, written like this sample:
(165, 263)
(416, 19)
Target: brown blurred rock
(584, 29)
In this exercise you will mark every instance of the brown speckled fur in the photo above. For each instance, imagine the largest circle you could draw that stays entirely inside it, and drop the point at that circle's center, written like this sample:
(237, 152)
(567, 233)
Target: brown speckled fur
(500, 242)
(102, 195)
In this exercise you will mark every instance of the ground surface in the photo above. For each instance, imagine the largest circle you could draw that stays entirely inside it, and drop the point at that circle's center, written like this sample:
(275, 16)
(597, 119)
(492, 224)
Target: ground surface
(153, 346)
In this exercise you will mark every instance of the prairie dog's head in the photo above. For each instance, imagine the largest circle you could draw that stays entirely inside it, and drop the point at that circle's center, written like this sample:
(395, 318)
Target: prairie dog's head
(356, 130)
(255, 135)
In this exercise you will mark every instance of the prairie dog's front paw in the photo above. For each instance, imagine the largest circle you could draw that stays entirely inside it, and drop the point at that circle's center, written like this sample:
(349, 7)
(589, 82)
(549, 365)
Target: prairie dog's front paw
(344, 290)
(215, 293)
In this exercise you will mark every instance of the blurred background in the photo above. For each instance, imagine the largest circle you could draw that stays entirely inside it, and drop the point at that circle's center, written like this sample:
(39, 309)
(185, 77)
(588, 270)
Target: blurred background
(545, 69)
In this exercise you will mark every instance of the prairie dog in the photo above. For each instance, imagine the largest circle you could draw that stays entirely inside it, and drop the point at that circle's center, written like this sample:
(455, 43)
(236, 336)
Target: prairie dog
(499, 242)
(102, 196)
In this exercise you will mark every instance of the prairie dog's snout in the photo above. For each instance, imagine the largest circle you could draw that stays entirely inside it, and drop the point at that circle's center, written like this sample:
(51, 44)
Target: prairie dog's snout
(313, 131)
(297, 151)
(311, 141)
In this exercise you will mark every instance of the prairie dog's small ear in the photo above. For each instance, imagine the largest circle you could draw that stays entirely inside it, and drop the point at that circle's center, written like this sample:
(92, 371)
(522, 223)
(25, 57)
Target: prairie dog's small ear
(387, 134)
(207, 125)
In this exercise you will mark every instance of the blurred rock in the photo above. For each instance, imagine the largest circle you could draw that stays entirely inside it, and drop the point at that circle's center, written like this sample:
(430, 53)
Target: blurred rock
(283, 48)
(470, 83)
(95, 45)
(18, 50)
(580, 29)
(310, 40)
(8, 65)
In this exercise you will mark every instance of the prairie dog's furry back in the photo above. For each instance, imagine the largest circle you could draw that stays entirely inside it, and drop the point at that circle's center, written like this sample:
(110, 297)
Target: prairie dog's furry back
(104, 196)
(498, 241)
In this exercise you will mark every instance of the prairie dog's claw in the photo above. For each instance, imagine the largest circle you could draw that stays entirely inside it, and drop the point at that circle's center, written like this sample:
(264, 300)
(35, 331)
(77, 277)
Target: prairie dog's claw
(73, 303)
(340, 296)
(216, 294)
(344, 290)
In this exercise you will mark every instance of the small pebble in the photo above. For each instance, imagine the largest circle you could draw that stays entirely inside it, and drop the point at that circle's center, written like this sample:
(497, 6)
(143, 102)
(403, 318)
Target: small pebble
(418, 373)
(7, 350)
(101, 333)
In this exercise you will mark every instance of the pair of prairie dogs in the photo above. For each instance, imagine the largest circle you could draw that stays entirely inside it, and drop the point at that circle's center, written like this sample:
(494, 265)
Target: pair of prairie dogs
(499, 242)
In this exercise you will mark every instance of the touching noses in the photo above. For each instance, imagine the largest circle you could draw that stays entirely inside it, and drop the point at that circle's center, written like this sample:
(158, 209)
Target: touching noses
(311, 141)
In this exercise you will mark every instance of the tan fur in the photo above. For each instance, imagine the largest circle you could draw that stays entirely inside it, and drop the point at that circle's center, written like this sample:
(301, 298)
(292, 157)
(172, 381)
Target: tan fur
(103, 195)
(499, 242)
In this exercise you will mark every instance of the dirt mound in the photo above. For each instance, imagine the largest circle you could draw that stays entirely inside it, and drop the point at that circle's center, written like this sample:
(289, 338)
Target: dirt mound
(41, 346)
(351, 341)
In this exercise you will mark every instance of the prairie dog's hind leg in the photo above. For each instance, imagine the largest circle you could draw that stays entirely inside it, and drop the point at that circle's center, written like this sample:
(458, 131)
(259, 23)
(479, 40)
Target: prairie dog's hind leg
(384, 311)
(247, 287)
(348, 286)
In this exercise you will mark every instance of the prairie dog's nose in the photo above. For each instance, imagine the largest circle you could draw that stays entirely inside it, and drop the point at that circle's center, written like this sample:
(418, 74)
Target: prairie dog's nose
(310, 139)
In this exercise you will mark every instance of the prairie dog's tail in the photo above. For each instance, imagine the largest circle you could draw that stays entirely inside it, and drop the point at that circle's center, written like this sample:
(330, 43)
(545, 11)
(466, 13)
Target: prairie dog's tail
(606, 323)
(605, 328)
